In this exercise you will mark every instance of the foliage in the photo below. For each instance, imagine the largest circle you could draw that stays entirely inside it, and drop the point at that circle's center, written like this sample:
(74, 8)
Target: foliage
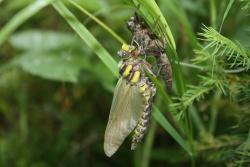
(59, 68)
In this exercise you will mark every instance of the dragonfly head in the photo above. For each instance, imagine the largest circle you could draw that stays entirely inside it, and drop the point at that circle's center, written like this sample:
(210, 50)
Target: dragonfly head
(126, 51)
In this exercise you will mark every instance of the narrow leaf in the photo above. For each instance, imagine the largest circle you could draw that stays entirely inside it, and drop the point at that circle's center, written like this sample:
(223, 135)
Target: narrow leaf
(21, 17)
(226, 13)
(86, 36)
(169, 128)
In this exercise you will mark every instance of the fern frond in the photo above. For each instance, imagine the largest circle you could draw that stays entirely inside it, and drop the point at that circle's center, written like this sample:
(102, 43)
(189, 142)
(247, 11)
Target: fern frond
(219, 48)
(239, 88)
(195, 93)
(246, 5)
(202, 56)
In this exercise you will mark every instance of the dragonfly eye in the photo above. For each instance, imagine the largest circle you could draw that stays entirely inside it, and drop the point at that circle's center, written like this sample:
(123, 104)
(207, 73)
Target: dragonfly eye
(123, 54)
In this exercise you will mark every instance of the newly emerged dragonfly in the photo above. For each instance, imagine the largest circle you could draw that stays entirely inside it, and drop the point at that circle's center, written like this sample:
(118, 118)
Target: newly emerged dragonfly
(148, 44)
(132, 102)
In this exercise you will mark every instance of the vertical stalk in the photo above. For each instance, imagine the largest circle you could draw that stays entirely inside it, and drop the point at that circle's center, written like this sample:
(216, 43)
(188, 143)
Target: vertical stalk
(213, 13)
(189, 130)
(3, 150)
(137, 156)
(197, 120)
(214, 113)
(23, 125)
(148, 144)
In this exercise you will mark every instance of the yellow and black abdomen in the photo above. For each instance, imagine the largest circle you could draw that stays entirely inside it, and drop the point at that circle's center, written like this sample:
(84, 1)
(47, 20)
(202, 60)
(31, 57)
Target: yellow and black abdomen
(135, 76)
(131, 72)
(147, 91)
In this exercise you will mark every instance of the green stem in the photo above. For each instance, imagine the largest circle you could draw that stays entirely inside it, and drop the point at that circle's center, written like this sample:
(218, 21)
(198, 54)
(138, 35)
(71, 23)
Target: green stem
(233, 71)
(189, 131)
(197, 120)
(137, 156)
(86, 36)
(23, 125)
(103, 25)
(148, 144)
(213, 13)
(192, 66)
(105, 11)
(205, 69)
(214, 113)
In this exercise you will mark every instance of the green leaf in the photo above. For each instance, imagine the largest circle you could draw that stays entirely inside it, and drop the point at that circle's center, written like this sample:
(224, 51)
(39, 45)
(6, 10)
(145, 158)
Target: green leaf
(55, 66)
(43, 40)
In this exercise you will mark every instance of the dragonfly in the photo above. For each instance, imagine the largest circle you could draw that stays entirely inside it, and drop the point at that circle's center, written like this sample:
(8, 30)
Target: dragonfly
(132, 102)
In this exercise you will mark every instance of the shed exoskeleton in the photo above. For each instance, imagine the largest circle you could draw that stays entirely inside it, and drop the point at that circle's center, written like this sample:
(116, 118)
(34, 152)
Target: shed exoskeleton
(150, 45)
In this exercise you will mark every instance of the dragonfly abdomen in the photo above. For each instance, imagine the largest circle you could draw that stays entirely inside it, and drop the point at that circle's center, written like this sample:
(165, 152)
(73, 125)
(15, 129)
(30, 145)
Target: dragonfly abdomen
(131, 71)
(147, 90)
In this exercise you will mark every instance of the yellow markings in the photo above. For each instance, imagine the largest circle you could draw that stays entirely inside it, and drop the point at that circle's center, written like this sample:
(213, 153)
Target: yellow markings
(146, 98)
(125, 47)
(136, 77)
(146, 95)
(131, 48)
(143, 88)
(128, 48)
(127, 70)
(136, 132)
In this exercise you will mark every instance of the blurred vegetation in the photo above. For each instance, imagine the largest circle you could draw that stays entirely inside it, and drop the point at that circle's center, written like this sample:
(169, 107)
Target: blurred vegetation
(58, 71)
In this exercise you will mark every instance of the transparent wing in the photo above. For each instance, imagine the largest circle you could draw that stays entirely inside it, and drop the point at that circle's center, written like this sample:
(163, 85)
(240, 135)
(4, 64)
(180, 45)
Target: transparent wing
(125, 112)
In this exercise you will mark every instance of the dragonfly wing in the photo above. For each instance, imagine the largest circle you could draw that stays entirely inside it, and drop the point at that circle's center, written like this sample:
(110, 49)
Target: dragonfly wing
(125, 112)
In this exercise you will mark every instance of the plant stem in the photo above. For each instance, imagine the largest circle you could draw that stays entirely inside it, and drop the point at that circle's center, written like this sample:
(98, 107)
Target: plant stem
(148, 144)
(137, 156)
(214, 113)
(192, 66)
(197, 120)
(213, 13)
(103, 25)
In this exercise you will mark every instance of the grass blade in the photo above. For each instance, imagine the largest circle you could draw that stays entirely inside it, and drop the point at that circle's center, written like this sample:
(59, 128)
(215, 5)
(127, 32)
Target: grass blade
(226, 13)
(148, 145)
(150, 11)
(177, 9)
(169, 128)
(213, 13)
(21, 17)
(86, 36)
(104, 26)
